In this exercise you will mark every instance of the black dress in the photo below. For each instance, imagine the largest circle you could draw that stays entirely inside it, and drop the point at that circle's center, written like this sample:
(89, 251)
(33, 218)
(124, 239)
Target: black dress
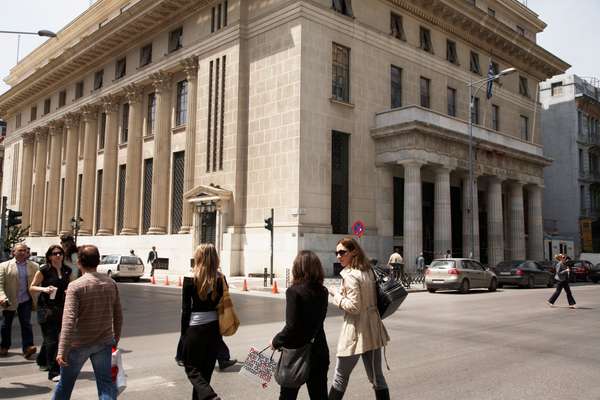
(305, 312)
(200, 342)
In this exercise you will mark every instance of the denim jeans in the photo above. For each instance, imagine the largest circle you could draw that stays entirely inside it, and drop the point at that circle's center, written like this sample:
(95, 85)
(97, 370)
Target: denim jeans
(100, 355)
(24, 313)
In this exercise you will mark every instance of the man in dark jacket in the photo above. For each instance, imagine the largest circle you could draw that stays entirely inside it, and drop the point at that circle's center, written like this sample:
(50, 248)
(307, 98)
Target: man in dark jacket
(562, 280)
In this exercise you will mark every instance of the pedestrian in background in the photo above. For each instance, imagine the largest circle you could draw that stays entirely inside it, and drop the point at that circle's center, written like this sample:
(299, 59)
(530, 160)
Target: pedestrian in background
(152, 256)
(362, 334)
(306, 308)
(199, 321)
(16, 276)
(562, 281)
(91, 325)
(420, 263)
(51, 282)
(67, 242)
(448, 254)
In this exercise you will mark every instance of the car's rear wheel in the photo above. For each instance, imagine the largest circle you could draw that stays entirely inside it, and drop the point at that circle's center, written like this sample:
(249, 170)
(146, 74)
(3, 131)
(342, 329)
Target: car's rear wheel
(431, 290)
(493, 285)
(464, 286)
(530, 282)
(595, 280)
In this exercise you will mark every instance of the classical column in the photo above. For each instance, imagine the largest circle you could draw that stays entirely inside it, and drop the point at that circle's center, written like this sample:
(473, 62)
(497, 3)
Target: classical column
(442, 221)
(72, 133)
(37, 210)
(470, 219)
(535, 242)
(133, 185)
(495, 221)
(190, 66)
(413, 214)
(26, 179)
(517, 224)
(51, 222)
(109, 168)
(159, 216)
(90, 143)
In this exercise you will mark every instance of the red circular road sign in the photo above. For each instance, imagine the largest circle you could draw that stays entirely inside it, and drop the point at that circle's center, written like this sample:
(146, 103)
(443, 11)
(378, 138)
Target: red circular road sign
(358, 228)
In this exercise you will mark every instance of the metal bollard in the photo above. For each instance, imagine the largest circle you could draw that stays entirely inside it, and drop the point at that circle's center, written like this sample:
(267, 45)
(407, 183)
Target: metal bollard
(265, 278)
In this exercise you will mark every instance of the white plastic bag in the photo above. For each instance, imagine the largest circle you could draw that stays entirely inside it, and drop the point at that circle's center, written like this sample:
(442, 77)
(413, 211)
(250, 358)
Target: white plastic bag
(117, 371)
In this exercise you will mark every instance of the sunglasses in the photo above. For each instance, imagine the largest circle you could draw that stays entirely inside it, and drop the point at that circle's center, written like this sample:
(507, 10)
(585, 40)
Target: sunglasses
(341, 253)
(57, 254)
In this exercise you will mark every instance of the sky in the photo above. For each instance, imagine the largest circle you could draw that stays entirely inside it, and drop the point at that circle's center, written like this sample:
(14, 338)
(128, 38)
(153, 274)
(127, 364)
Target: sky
(573, 27)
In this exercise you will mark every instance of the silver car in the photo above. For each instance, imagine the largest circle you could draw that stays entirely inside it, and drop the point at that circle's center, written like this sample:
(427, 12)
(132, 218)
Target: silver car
(460, 274)
(116, 266)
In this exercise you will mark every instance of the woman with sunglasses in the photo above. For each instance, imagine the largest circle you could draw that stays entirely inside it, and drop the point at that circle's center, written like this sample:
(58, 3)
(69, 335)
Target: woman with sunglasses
(51, 282)
(362, 334)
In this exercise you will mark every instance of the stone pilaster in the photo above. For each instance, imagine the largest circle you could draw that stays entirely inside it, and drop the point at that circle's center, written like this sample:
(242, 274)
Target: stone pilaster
(159, 216)
(535, 240)
(51, 222)
(133, 185)
(109, 168)
(413, 213)
(517, 224)
(470, 219)
(90, 143)
(72, 133)
(37, 210)
(26, 179)
(190, 66)
(442, 221)
(495, 222)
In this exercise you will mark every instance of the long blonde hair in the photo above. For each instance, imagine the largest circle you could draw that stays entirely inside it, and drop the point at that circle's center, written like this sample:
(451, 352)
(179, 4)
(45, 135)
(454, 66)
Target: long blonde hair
(206, 265)
(359, 259)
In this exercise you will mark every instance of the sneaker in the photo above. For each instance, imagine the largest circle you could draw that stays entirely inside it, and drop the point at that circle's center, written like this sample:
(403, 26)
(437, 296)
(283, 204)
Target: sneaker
(55, 378)
(227, 363)
(573, 306)
(3, 352)
(180, 363)
(550, 304)
(30, 351)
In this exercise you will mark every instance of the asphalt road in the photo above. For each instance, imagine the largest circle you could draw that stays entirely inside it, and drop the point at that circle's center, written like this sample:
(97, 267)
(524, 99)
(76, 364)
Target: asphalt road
(503, 345)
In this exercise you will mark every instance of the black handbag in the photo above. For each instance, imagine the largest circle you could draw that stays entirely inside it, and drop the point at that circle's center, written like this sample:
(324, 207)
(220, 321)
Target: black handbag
(293, 366)
(389, 290)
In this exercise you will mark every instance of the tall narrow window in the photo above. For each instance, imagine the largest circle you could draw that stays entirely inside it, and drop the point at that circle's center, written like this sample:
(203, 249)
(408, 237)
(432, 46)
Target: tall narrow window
(147, 195)
(102, 132)
(15, 168)
(181, 107)
(151, 114)
(524, 128)
(33, 113)
(451, 55)
(580, 161)
(474, 63)
(18, 121)
(78, 204)
(397, 27)
(62, 98)
(47, 104)
(579, 122)
(121, 197)
(341, 73)
(62, 201)
(475, 111)
(146, 55)
(120, 68)
(125, 123)
(396, 86)
(208, 119)
(98, 79)
(451, 98)
(495, 117)
(175, 39)
(425, 88)
(79, 90)
(342, 6)
(177, 191)
(98, 198)
(523, 86)
(340, 155)
(425, 39)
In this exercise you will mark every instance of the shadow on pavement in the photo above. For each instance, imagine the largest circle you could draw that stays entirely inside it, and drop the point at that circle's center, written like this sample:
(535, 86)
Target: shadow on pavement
(24, 391)
(15, 363)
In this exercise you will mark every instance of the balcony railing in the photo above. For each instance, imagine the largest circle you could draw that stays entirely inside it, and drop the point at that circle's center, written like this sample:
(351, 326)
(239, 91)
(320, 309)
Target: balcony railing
(590, 175)
(588, 139)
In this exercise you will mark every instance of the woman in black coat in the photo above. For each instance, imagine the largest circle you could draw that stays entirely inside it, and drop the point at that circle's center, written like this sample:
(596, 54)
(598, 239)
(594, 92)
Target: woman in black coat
(306, 308)
(563, 271)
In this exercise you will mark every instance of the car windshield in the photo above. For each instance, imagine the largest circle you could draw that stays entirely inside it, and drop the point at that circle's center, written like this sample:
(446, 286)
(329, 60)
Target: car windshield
(109, 260)
(442, 264)
(131, 260)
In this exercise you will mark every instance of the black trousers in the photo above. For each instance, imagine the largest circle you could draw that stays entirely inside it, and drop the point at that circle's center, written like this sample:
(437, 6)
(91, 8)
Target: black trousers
(316, 383)
(559, 287)
(199, 355)
(222, 351)
(50, 323)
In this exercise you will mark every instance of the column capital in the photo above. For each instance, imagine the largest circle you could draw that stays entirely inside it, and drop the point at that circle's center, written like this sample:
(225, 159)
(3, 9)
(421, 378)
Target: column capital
(134, 93)
(161, 81)
(28, 137)
(89, 112)
(190, 67)
(71, 120)
(443, 169)
(40, 132)
(53, 127)
(110, 103)
(412, 163)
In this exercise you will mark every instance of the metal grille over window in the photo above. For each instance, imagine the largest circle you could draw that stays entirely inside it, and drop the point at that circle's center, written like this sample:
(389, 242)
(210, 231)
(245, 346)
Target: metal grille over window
(396, 27)
(341, 73)
(177, 191)
(208, 131)
(98, 198)
(208, 224)
(339, 182)
(147, 196)
(222, 134)
(216, 116)
(181, 110)
(121, 198)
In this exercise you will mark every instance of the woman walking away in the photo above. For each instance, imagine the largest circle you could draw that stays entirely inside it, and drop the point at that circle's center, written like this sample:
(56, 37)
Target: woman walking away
(67, 242)
(306, 308)
(51, 282)
(199, 321)
(562, 281)
(363, 334)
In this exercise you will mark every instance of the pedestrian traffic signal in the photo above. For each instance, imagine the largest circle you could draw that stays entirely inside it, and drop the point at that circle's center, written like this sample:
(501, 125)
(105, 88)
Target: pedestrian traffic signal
(13, 218)
(269, 224)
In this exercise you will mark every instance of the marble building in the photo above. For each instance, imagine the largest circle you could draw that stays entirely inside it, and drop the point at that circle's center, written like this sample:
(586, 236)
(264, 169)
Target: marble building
(174, 122)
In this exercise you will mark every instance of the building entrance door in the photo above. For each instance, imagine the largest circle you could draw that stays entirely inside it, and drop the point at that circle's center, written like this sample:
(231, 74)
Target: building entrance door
(208, 227)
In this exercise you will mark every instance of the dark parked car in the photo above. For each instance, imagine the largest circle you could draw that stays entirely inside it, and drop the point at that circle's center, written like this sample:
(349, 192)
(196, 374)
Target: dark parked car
(595, 273)
(580, 270)
(523, 273)
(548, 265)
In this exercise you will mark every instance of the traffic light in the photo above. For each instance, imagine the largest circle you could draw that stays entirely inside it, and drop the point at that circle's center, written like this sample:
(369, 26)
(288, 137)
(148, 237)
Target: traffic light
(269, 224)
(13, 218)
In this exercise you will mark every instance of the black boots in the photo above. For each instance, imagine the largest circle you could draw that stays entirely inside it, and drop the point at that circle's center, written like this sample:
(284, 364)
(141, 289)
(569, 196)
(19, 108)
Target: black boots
(335, 394)
(382, 394)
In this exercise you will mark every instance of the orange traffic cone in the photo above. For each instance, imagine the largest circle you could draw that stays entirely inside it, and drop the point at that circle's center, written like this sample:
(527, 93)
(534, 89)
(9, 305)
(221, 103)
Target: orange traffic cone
(166, 280)
(153, 280)
(245, 287)
(274, 288)
(179, 281)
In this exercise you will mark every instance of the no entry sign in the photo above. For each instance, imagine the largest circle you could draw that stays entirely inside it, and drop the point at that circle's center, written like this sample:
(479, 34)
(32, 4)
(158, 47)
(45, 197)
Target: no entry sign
(358, 228)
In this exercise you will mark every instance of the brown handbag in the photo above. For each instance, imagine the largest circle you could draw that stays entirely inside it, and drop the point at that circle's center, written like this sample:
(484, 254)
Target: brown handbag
(228, 320)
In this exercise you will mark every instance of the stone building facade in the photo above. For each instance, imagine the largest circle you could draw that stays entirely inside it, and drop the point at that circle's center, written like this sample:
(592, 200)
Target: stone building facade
(173, 122)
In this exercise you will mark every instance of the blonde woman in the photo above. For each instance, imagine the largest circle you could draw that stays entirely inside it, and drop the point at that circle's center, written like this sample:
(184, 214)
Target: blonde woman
(199, 321)
(363, 334)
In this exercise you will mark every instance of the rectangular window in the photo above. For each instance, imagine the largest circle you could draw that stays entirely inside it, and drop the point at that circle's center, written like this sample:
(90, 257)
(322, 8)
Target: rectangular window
(79, 90)
(523, 86)
(125, 123)
(580, 161)
(121, 197)
(425, 87)
(47, 104)
(209, 116)
(177, 191)
(425, 39)
(495, 117)
(396, 86)
(98, 78)
(556, 88)
(181, 108)
(491, 12)
(579, 123)
(397, 27)
(524, 128)
(474, 64)
(146, 55)
(521, 30)
(341, 73)
(98, 198)
(18, 121)
(120, 68)
(102, 132)
(15, 168)
(213, 20)
(451, 94)
(475, 111)
(495, 68)
(218, 16)
(451, 55)
(62, 98)
(175, 39)
(33, 113)
(79, 183)
(582, 197)
(147, 196)
(340, 155)
(342, 6)
(151, 114)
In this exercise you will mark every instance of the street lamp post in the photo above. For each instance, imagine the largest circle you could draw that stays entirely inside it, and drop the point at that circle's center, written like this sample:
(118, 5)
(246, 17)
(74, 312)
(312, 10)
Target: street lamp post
(75, 225)
(43, 32)
(472, 93)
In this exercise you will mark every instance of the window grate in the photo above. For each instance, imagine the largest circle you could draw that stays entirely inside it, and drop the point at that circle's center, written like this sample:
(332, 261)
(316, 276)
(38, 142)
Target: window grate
(177, 191)
(98, 198)
(208, 227)
(208, 131)
(147, 199)
(222, 134)
(339, 182)
(121, 198)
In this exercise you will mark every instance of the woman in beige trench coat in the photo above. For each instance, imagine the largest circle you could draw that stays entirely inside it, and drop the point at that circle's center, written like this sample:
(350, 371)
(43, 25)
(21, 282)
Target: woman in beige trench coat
(363, 334)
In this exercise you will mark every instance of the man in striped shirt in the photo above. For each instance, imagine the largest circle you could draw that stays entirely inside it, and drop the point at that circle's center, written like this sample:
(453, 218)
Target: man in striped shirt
(91, 325)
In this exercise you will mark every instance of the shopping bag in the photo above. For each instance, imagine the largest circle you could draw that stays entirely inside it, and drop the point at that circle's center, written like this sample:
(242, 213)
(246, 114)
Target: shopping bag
(259, 367)
(117, 371)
